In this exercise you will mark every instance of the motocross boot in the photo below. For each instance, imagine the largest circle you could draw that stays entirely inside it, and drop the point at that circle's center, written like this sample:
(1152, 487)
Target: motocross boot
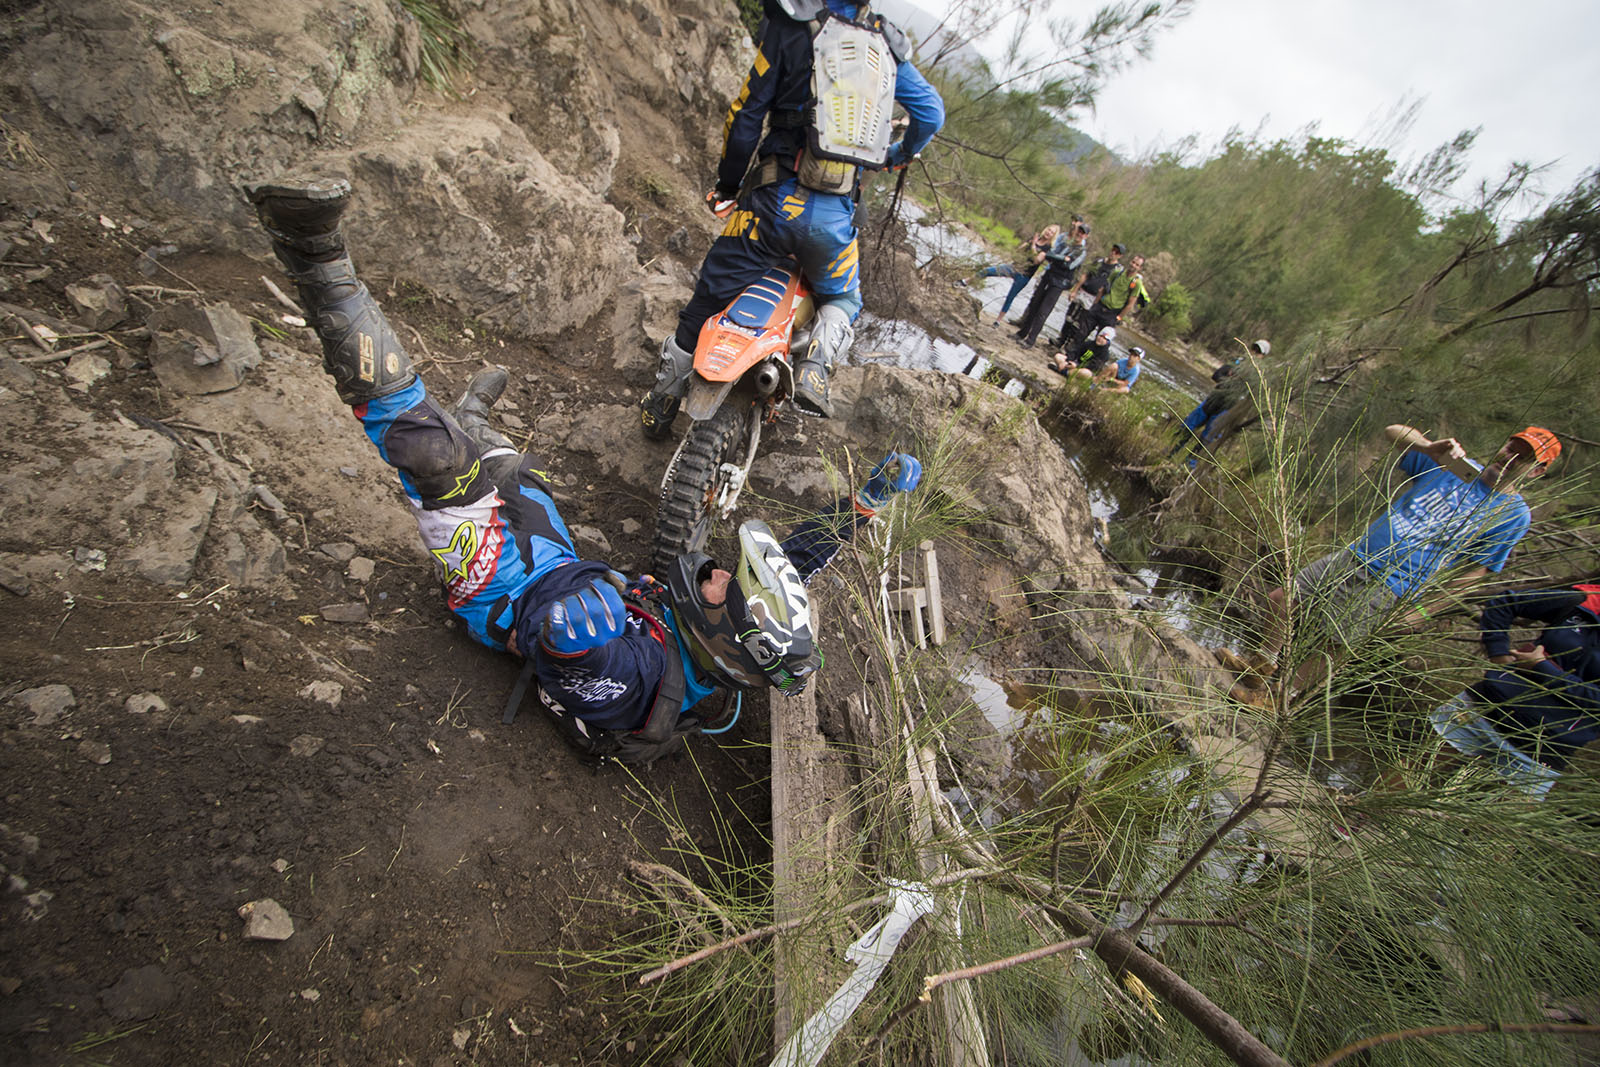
(660, 405)
(657, 411)
(359, 349)
(831, 337)
(811, 388)
(471, 412)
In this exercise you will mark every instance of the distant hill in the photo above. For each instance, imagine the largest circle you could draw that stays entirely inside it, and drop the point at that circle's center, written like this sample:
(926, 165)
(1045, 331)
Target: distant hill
(1071, 143)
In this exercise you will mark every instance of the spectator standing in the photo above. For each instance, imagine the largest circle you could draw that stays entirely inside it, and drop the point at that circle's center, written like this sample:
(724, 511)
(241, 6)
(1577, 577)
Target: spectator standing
(1083, 296)
(1064, 259)
(1028, 261)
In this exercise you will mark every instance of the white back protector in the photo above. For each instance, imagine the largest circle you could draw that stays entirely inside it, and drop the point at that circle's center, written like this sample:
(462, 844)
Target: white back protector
(852, 77)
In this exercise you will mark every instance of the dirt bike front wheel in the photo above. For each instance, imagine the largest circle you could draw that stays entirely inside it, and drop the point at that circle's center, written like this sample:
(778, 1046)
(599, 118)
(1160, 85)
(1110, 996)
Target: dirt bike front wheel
(686, 515)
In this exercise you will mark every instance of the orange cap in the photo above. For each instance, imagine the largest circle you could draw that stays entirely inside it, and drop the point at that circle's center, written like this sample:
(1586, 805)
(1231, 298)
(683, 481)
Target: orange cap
(1544, 444)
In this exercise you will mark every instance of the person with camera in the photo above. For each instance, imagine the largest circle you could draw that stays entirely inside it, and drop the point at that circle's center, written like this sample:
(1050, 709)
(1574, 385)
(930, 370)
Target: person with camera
(1063, 261)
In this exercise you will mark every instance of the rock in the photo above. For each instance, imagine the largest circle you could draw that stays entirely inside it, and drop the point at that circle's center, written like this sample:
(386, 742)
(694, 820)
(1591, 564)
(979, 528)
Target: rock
(248, 720)
(89, 559)
(100, 302)
(329, 693)
(594, 537)
(360, 569)
(86, 368)
(46, 703)
(168, 557)
(270, 501)
(342, 551)
(354, 611)
(139, 994)
(9, 985)
(201, 350)
(95, 752)
(311, 995)
(306, 745)
(511, 421)
(631, 527)
(252, 556)
(265, 920)
(149, 262)
(144, 704)
(14, 582)
(14, 375)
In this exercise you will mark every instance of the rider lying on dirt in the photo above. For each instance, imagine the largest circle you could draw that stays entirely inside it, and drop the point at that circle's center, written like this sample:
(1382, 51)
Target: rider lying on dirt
(621, 665)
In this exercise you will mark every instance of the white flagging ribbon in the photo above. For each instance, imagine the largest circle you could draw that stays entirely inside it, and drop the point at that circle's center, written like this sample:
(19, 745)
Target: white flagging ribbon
(909, 902)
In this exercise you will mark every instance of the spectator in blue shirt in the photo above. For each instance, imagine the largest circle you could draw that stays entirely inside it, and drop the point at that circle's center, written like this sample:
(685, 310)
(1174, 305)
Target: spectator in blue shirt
(1439, 521)
(1119, 377)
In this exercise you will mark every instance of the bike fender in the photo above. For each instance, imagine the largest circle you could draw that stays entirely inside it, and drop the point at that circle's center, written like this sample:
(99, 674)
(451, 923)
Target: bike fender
(706, 397)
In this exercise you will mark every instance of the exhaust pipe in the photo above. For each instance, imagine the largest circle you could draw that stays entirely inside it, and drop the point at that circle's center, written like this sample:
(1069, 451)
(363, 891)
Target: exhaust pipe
(767, 379)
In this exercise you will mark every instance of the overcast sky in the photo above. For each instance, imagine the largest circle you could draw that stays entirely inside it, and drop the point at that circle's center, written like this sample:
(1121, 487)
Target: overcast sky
(1526, 71)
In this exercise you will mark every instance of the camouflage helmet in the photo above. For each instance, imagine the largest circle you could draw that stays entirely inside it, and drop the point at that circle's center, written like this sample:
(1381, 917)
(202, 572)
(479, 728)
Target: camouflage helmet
(760, 635)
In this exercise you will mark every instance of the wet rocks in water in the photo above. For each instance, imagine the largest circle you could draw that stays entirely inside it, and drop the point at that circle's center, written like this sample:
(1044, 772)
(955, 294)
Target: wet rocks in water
(265, 920)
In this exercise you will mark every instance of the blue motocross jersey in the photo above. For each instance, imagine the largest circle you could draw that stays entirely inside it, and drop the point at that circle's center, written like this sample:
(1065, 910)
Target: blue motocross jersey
(487, 551)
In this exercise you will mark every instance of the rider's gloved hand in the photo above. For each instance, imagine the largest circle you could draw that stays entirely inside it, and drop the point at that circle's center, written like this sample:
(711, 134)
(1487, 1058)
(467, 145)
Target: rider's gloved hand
(897, 159)
(584, 620)
(898, 473)
(721, 203)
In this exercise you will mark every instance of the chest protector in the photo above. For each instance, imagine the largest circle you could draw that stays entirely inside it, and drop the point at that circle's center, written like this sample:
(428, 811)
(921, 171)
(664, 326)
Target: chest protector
(852, 82)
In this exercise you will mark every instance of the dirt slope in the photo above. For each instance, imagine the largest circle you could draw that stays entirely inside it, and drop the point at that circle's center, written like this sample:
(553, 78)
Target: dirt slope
(224, 672)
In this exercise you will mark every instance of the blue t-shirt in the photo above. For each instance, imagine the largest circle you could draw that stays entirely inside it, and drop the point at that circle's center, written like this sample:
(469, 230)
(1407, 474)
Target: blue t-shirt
(1440, 521)
(1126, 373)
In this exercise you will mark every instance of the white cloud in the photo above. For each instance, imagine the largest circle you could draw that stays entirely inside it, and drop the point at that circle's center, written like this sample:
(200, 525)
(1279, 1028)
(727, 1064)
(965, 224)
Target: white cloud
(1528, 73)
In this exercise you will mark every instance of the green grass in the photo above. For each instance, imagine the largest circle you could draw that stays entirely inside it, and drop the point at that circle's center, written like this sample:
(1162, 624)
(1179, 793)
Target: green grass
(446, 54)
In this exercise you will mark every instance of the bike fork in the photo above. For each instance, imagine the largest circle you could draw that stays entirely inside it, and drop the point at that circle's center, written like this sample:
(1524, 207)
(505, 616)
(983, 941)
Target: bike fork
(737, 474)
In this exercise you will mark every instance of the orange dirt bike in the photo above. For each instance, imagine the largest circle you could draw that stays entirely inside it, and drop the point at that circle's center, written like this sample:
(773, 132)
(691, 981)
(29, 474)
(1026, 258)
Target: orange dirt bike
(742, 381)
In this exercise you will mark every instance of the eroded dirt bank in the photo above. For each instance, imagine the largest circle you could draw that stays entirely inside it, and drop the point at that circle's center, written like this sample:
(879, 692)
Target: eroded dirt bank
(226, 673)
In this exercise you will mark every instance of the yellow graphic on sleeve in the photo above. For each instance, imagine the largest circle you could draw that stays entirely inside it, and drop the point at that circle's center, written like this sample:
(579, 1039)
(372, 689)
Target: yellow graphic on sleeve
(462, 482)
(793, 205)
(454, 557)
(760, 67)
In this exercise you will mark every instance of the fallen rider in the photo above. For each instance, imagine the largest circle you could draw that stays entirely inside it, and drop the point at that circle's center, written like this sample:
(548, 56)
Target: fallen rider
(622, 666)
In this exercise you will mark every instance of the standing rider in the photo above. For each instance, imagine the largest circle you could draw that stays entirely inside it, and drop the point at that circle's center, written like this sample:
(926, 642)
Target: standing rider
(621, 665)
(825, 78)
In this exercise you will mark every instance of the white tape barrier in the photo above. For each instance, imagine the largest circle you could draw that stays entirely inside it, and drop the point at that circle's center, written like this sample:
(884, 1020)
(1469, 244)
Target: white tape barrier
(871, 952)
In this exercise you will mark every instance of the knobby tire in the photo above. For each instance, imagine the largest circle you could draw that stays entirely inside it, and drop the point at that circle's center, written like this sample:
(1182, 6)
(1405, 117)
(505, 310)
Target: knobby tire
(684, 519)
